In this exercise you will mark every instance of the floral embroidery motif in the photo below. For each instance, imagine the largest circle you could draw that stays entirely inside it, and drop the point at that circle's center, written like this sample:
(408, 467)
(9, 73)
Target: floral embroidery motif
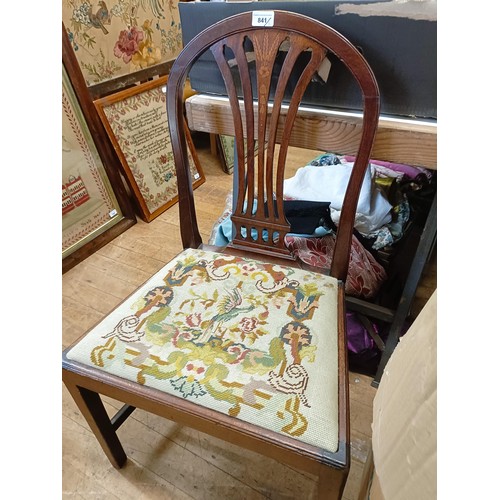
(146, 54)
(115, 37)
(233, 334)
(128, 43)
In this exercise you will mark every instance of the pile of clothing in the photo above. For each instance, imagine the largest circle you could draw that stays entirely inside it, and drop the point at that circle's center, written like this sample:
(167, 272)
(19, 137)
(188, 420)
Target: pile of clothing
(313, 198)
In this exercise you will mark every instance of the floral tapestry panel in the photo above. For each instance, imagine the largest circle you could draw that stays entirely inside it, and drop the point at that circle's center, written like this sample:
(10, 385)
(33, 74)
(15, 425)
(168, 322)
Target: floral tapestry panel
(116, 37)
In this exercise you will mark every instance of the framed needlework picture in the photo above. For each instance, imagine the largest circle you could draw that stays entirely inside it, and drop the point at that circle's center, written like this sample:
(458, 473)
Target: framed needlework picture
(225, 146)
(136, 121)
(95, 206)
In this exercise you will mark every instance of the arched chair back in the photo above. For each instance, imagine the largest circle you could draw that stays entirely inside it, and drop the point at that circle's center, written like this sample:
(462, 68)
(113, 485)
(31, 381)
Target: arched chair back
(257, 65)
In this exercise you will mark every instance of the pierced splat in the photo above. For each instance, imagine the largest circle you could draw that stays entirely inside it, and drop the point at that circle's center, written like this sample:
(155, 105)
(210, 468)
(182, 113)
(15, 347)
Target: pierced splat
(259, 219)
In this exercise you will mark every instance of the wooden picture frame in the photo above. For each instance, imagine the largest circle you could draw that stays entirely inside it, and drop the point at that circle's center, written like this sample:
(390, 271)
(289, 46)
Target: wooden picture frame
(225, 147)
(136, 122)
(95, 204)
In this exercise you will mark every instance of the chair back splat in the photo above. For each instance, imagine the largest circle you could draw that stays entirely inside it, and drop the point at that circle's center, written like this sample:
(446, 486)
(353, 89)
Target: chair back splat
(241, 342)
(251, 63)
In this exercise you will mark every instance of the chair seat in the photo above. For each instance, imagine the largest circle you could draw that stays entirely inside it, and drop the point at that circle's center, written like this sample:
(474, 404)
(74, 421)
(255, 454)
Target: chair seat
(245, 338)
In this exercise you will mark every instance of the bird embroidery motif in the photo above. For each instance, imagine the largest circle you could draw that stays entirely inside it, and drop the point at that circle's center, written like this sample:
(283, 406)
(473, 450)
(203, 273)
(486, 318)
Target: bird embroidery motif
(227, 310)
(101, 17)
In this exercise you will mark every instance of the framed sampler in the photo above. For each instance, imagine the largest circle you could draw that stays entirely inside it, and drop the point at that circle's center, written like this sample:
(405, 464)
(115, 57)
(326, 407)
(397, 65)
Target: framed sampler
(136, 122)
(95, 204)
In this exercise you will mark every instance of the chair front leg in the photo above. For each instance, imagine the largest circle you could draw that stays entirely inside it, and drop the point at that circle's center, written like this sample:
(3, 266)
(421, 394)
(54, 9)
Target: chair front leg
(331, 483)
(92, 408)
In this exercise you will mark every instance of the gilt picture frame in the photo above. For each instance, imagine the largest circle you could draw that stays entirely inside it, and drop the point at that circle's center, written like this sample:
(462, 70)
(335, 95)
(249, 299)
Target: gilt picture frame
(136, 122)
(95, 204)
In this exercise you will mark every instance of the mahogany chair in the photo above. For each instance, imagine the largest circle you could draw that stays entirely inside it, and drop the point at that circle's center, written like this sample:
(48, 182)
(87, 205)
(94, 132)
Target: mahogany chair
(240, 342)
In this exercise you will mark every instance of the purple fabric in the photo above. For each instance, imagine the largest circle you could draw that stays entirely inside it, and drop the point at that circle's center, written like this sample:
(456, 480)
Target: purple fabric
(411, 171)
(358, 339)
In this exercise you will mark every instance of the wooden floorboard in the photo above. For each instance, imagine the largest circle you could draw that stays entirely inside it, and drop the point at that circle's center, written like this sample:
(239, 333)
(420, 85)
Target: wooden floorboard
(168, 461)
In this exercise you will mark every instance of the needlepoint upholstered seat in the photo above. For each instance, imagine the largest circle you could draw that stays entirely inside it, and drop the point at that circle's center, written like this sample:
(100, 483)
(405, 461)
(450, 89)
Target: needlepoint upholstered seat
(241, 342)
(236, 335)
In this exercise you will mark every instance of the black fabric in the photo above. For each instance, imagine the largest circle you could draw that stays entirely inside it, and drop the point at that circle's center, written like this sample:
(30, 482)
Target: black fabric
(306, 216)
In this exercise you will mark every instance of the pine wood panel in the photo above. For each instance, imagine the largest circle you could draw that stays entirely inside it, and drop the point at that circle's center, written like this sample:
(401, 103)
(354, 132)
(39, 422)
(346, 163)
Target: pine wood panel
(165, 460)
(405, 141)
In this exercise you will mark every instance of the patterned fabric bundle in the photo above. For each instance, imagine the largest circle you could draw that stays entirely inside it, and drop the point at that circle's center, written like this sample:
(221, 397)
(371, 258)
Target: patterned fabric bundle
(365, 274)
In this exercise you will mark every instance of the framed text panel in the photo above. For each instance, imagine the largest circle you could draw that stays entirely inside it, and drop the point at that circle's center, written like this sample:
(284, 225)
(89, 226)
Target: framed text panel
(136, 121)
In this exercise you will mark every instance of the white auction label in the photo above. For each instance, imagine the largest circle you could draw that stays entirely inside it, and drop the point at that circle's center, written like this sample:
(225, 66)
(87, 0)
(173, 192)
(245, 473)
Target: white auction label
(264, 18)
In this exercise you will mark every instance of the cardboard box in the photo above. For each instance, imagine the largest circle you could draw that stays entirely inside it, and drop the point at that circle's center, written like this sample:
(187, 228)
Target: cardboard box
(404, 429)
(402, 52)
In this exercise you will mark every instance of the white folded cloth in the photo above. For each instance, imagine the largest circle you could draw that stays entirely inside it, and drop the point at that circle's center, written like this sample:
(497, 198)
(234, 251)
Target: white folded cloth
(329, 183)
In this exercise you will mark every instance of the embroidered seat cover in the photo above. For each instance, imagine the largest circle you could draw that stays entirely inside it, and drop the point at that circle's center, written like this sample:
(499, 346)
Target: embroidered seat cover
(252, 340)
